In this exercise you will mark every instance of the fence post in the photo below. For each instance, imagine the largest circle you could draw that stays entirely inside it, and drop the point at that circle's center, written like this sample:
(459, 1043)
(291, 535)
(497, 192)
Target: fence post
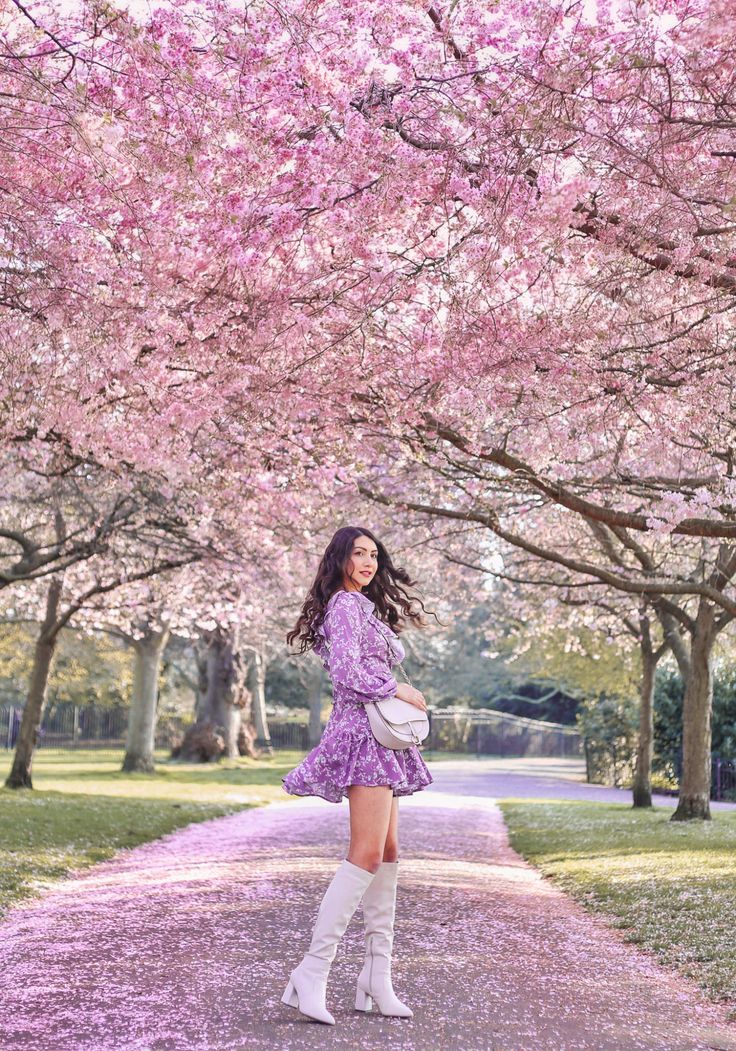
(718, 777)
(16, 716)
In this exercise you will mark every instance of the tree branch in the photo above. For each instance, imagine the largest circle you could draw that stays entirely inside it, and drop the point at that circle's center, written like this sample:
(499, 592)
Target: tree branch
(641, 586)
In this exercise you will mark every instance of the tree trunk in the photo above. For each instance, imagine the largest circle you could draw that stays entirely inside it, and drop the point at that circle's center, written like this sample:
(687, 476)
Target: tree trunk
(224, 689)
(694, 800)
(675, 641)
(257, 682)
(143, 710)
(315, 709)
(20, 773)
(242, 697)
(642, 788)
(201, 650)
(224, 723)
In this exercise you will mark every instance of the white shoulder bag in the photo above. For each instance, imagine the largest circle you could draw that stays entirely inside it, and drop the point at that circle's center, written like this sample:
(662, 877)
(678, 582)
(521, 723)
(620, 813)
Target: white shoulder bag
(396, 723)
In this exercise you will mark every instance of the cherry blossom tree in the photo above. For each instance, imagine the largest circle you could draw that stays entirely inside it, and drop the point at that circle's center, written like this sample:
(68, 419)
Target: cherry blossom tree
(501, 241)
(65, 595)
(688, 585)
(139, 614)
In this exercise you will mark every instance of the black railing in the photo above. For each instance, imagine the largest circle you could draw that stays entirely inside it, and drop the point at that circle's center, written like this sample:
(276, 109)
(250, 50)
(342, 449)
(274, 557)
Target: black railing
(289, 734)
(723, 779)
(471, 730)
(722, 776)
(76, 726)
(484, 731)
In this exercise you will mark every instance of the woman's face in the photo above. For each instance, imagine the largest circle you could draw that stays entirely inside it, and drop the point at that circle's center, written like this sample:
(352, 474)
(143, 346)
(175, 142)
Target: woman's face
(362, 564)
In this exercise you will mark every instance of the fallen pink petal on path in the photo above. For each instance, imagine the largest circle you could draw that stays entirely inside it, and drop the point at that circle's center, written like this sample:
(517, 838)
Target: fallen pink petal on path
(186, 943)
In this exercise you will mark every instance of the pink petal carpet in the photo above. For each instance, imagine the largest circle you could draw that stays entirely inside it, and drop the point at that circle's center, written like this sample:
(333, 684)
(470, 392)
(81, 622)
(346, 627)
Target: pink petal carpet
(185, 944)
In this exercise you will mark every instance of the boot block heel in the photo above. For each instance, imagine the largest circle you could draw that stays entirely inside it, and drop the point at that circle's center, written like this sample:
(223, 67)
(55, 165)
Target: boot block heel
(290, 997)
(363, 1002)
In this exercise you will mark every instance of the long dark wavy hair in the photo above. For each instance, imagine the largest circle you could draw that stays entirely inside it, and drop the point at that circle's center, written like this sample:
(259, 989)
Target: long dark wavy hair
(387, 589)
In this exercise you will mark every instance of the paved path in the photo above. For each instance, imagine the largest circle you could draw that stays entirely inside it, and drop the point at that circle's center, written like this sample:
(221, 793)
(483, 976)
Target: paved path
(186, 943)
(528, 778)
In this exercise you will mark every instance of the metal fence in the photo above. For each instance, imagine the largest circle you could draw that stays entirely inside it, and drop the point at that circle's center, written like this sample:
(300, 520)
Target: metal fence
(470, 730)
(76, 726)
(289, 734)
(487, 732)
(723, 778)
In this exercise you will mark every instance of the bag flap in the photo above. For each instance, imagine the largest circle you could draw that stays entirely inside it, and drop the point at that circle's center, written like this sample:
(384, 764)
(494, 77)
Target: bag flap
(398, 711)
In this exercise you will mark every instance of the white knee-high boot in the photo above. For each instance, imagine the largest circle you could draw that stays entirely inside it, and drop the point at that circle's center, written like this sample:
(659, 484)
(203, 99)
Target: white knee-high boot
(308, 981)
(374, 981)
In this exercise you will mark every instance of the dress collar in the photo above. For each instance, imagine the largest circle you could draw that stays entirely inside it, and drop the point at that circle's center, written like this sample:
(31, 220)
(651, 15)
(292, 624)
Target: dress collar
(370, 606)
(367, 602)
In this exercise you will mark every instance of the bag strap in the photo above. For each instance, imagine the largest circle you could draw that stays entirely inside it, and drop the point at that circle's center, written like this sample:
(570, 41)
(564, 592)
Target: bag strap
(399, 664)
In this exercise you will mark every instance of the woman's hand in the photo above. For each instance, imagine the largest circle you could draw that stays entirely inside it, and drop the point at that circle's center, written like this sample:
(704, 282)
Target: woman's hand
(405, 692)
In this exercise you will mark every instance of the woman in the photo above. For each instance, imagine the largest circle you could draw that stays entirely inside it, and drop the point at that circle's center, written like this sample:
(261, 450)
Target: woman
(348, 619)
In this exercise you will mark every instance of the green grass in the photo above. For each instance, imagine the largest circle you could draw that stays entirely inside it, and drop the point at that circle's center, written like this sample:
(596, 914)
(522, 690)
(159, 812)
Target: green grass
(82, 809)
(670, 887)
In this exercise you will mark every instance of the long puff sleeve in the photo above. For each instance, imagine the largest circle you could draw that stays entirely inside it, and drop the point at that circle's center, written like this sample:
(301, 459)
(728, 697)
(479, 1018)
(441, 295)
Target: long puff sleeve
(351, 666)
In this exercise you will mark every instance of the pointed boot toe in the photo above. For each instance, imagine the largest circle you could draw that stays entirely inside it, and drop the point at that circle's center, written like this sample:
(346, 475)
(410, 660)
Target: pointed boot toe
(307, 989)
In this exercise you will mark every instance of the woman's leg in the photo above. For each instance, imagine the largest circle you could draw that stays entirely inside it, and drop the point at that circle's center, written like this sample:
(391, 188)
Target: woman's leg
(370, 814)
(371, 811)
(391, 846)
(379, 907)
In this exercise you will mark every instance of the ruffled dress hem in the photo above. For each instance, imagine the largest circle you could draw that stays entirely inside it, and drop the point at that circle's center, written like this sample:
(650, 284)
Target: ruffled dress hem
(356, 759)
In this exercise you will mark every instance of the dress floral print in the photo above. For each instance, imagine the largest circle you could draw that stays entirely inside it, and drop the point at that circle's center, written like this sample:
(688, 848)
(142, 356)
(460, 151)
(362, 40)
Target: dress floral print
(358, 650)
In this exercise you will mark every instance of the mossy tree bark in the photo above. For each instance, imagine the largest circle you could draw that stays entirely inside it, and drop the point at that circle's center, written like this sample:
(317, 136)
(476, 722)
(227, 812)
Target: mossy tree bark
(148, 650)
(642, 786)
(20, 772)
(694, 800)
(224, 724)
(257, 684)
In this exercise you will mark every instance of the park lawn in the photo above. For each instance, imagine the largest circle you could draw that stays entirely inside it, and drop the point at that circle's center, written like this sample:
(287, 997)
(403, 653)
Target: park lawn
(669, 886)
(82, 809)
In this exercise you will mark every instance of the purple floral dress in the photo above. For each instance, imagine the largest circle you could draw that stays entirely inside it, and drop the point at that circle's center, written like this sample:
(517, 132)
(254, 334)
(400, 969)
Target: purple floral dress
(358, 650)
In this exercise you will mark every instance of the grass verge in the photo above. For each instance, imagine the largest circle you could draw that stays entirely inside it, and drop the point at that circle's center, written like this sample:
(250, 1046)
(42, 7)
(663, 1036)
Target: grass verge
(670, 887)
(82, 809)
